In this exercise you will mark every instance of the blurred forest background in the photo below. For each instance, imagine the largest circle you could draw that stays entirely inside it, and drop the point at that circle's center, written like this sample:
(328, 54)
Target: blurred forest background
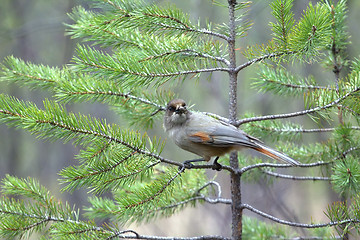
(34, 30)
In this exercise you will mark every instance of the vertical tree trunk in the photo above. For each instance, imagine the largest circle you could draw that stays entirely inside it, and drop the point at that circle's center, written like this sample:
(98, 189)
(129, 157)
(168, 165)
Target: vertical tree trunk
(235, 177)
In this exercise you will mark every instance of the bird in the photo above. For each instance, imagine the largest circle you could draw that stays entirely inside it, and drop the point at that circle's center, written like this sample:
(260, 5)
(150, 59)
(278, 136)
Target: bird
(208, 137)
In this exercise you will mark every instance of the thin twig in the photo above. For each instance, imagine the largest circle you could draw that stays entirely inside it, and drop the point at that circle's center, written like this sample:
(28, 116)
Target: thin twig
(132, 173)
(310, 238)
(174, 238)
(120, 94)
(297, 130)
(189, 52)
(119, 233)
(315, 130)
(98, 134)
(199, 196)
(209, 184)
(33, 77)
(279, 165)
(255, 60)
(109, 168)
(161, 190)
(202, 31)
(218, 198)
(295, 224)
(308, 165)
(114, 234)
(210, 166)
(156, 75)
(307, 87)
(295, 114)
(297, 178)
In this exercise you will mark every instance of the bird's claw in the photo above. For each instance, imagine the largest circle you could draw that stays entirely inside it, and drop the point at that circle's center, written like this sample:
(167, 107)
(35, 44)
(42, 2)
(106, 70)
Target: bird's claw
(216, 166)
(186, 165)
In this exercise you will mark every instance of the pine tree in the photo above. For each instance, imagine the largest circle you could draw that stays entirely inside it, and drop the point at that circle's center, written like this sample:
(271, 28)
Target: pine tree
(138, 51)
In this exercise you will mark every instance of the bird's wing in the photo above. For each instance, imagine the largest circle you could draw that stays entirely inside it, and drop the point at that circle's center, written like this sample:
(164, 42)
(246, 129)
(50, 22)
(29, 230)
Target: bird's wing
(207, 130)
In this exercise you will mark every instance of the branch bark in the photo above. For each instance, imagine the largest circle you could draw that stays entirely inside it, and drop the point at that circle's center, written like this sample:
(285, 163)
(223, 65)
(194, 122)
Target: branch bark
(295, 224)
(296, 114)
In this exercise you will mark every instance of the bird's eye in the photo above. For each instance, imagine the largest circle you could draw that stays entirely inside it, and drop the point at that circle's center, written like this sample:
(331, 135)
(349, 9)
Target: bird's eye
(171, 109)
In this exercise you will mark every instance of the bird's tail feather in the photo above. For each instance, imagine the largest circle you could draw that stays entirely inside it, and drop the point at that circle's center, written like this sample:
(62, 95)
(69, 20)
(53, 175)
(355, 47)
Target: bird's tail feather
(276, 155)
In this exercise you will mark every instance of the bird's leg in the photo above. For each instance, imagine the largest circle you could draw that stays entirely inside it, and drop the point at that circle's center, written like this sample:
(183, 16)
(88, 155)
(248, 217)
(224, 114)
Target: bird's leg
(216, 166)
(188, 163)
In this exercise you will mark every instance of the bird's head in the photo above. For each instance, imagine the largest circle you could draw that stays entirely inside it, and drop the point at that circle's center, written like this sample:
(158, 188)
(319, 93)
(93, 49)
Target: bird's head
(176, 113)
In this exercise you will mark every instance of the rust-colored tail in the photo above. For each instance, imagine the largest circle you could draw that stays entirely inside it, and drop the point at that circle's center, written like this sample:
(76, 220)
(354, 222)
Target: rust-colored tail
(276, 155)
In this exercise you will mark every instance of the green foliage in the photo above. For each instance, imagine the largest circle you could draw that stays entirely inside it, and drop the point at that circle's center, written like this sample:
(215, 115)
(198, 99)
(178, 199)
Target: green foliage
(29, 74)
(257, 230)
(346, 214)
(346, 176)
(54, 122)
(70, 86)
(106, 146)
(147, 201)
(339, 35)
(151, 44)
(22, 217)
(312, 31)
(36, 211)
(283, 83)
(139, 49)
(284, 22)
(303, 40)
(346, 169)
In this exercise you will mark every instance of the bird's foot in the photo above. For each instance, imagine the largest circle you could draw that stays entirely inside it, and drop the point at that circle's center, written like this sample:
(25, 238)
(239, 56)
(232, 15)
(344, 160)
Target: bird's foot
(188, 164)
(216, 166)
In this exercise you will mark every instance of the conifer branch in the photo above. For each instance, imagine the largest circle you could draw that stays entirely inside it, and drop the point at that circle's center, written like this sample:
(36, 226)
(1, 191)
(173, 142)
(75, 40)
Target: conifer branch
(295, 86)
(201, 31)
(309, 165)
(93, 132)
(100, 151)
(199, 196)
(109, 168)
(147, 237)
(130, 174)
(156, 75)
(161, 190)
(168, 17)
(182, 25)
(120, 94)
(161, 44)
(119, 233)
(114, 5)
(218, 198)
(261, 58)
(296, 114)
(317, 130)
(210, 166)
(300, 130)
(296, 178)
(32, 77)
(295, 224)
(277, 165)
(188, 52)
(43, 219)
(116, 35)
(113, 234)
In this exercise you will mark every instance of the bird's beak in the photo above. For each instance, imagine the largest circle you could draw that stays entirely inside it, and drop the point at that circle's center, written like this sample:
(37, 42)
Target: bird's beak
(180, 110)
